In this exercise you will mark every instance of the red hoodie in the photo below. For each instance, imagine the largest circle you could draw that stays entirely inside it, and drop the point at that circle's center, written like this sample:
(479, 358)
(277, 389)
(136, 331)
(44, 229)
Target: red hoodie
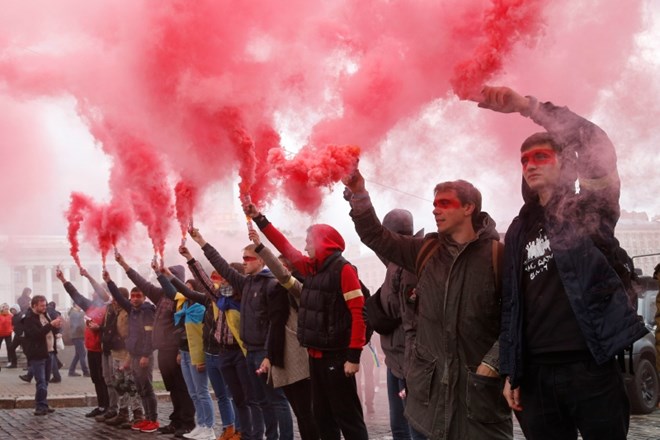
(326, 242)
(6, 327)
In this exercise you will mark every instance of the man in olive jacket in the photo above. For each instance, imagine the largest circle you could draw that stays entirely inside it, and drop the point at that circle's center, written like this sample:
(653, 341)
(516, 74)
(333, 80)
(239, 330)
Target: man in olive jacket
(454, 389)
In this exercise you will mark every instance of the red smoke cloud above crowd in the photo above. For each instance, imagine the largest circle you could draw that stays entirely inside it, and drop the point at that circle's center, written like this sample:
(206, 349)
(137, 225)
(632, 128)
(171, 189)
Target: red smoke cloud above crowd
(182, 94)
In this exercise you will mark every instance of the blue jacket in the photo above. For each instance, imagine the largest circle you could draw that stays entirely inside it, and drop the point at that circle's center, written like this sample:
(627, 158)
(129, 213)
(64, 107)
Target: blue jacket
(140, 324)
(580, 229)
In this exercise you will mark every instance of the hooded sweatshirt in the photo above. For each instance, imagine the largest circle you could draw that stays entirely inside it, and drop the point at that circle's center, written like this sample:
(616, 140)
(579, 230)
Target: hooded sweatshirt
(327, 242)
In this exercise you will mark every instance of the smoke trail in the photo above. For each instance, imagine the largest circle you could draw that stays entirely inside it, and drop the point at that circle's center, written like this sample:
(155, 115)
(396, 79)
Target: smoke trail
(79, 205)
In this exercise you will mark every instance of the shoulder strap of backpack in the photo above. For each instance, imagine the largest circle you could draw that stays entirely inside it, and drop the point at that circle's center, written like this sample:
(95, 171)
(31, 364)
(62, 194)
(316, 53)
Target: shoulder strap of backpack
(429, 247)
(498, 251)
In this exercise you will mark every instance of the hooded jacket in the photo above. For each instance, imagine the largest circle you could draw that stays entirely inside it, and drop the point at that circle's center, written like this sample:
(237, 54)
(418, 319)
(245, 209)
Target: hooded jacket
(396, 297)
(580, 229)
(256, 292)
(328, 243)
(458, 323)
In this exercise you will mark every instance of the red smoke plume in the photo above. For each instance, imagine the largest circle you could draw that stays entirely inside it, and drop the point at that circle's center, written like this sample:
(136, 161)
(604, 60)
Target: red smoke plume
(78, 207)
(108, 224)
(186, 198)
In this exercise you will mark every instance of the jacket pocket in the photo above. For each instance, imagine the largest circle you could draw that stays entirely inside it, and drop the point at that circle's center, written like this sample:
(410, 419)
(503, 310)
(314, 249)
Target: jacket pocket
(421, 373)
(485, 402)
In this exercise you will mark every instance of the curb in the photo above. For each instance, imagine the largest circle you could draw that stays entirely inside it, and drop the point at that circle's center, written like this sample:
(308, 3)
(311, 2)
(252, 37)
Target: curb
(70, 401)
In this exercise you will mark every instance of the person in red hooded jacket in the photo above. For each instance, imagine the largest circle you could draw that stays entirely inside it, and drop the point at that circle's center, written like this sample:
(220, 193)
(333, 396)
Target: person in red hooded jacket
(330, 325)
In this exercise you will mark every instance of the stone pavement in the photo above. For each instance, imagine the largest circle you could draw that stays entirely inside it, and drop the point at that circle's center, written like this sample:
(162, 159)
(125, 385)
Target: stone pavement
(74, 396)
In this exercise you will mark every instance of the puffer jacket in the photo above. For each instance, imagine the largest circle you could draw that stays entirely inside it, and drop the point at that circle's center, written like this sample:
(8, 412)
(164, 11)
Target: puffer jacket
(458, 323)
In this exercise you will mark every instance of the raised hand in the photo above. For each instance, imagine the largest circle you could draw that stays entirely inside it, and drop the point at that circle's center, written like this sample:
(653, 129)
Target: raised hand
(183, 250)
(60, 275)
(250, 210)
(254, 237)
(503, 100)
(196, 236)
(355, 182)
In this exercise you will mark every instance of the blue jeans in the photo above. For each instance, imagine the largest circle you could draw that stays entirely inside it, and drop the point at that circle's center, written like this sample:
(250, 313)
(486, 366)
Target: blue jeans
(272, 401)
(41, 370)
(398, 423)
(81, 355)
(54, 368)
(222, 394)
(198, 389)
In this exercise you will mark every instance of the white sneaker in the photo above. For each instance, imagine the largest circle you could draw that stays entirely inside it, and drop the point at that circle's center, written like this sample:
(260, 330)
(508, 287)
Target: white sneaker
(193, 434)
(204, 433)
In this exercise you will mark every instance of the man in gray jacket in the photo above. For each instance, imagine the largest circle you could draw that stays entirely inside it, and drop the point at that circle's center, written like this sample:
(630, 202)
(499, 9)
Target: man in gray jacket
(454, 389)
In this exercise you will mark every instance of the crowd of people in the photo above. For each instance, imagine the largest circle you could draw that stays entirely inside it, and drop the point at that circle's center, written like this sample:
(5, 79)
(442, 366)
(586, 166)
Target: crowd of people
(473, 331)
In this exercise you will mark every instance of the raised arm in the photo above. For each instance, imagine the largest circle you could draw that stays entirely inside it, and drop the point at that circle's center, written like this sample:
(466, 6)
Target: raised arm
(281, 273)
(199, 273)
(399, 249)
(76, 297)
(154, 293)
(116, 294)
(98, 288)
(233, 277)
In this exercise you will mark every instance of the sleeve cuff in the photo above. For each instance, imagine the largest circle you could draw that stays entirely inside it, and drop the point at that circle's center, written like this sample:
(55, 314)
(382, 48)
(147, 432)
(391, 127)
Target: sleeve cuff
(261, 221)
(353, 355)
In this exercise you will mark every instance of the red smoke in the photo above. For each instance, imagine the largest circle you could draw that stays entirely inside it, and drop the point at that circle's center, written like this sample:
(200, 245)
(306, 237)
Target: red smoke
(79, 205)
(108, 224)
(506, 23)
(354, 71)
(186, 197)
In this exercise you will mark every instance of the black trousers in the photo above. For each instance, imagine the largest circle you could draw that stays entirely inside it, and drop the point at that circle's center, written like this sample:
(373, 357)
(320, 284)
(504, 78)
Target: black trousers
(299, 395)
(558, 400)
(11, 352)
(183, 414)
(95, 361)
(336, 404)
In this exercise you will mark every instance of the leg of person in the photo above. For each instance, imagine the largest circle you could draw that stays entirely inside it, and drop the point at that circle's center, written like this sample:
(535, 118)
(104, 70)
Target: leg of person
(344, 400)
(40, 370)
(76, 357)
(398, 423)
(258, 395)
(206, 414)
(183, 413)
(234, 372)
(325, 420)
(544, 415)
(220, 390)
(83, 357)
(108, 370)
(186, 371)
(599, 403)
(95, 360)
(299, 395)
(143, 377)
(367, 366)
(54, 366)
(13, 358)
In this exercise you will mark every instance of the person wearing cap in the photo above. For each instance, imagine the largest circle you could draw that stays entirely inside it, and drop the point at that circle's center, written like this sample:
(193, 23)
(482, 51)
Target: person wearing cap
(565, 311)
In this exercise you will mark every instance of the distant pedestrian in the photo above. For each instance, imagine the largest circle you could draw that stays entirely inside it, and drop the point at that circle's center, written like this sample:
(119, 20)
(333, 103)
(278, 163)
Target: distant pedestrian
(6, 329)
(38, 346)
(77, 332)
(24, 300)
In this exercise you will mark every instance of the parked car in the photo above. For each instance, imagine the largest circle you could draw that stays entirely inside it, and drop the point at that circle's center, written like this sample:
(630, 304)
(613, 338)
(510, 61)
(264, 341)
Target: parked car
(643, 385)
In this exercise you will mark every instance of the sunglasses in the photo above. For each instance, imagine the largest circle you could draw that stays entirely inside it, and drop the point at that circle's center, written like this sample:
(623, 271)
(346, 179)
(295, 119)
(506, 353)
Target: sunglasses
(248, 258)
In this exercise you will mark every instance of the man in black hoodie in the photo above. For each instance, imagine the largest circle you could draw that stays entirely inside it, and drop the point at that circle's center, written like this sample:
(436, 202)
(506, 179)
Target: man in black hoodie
(38, 345)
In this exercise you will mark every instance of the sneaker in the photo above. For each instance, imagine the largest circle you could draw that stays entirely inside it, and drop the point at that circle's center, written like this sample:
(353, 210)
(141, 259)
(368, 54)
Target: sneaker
(86, 374)
(74, 374)
(150, 426)
(12, 366)
(40, 412)
(55, 380)
(50, 410)
(227, 433)
(95, 412)
(137, 426)
(193, 433)
(25, 378)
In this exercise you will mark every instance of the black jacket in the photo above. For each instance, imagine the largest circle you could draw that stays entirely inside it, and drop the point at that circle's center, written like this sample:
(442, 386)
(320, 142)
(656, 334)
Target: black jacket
(34, 342)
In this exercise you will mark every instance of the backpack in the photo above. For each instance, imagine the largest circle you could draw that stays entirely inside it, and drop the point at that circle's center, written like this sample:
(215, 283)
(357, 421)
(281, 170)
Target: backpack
(367, 296)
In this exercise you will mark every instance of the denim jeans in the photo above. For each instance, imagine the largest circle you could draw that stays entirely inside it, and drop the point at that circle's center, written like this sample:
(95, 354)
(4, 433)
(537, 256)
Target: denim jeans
(198, 389)
(41, 370)
(272, 401)
(222, 394)
(54, 368)
(234, 371)
(81, 355)
(398, 423)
